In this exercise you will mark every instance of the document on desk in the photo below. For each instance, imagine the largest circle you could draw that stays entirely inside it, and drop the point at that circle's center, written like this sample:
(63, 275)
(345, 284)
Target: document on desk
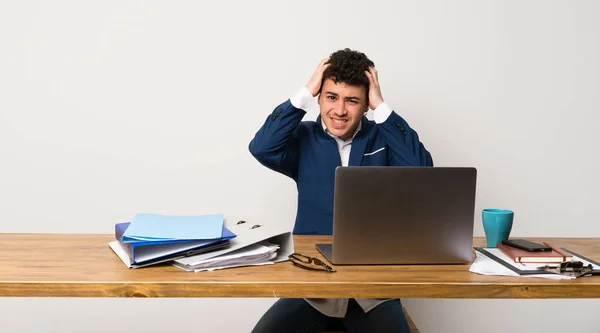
(256, 254)
(492, 261)
(486, 266)
(156, 227)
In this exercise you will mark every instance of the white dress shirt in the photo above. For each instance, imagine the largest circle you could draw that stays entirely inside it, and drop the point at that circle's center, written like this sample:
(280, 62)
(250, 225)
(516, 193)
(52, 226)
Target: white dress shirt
(337, 307)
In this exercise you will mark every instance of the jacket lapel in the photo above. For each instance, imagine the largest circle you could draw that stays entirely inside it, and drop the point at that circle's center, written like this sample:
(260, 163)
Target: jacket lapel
(359, 143)
(329, 146)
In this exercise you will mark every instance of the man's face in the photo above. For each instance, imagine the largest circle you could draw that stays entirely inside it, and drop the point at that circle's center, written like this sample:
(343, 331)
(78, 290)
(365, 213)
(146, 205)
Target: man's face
(342, 107)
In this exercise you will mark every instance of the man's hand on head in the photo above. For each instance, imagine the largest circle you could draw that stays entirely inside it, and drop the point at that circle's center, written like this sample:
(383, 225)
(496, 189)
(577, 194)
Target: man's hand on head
(375, 97)
(314, 84)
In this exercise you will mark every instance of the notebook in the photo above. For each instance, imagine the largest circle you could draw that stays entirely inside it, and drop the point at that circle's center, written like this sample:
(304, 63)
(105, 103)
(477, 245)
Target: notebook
(542, 257)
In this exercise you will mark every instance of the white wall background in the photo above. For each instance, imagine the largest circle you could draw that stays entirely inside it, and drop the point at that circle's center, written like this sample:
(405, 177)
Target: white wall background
(110, 108)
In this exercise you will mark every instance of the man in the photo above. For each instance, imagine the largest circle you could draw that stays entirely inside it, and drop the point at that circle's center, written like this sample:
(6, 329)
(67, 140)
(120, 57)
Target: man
(347, 85)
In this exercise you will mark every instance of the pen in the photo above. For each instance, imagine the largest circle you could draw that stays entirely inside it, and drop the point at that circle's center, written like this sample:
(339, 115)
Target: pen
(548, 267)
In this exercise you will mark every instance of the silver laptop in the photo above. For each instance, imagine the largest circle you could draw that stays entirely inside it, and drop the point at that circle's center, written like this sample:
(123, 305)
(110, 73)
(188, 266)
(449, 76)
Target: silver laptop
(402, 215)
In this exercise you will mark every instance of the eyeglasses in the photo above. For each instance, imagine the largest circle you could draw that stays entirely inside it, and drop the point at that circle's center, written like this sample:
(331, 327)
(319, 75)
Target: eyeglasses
(311, 263)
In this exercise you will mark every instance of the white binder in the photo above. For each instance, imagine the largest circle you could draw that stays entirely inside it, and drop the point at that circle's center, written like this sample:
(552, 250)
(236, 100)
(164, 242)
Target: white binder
(247, 233)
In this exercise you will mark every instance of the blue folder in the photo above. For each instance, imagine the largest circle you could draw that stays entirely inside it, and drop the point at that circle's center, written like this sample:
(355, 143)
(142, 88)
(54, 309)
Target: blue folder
(144, 252)
(157, 227)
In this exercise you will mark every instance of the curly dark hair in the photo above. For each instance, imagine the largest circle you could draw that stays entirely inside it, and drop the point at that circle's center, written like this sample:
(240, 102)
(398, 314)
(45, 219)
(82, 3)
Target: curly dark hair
(348, 66)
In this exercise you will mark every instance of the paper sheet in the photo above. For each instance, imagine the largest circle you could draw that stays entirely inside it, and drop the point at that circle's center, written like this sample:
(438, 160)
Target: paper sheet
(255, 254)
(212, 268)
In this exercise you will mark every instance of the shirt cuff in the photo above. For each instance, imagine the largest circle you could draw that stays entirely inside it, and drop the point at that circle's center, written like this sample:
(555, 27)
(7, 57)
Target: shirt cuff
(381, 113)
(302, 99)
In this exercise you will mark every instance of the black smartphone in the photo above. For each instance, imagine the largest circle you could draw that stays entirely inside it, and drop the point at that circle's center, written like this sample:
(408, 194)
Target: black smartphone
(526, 245)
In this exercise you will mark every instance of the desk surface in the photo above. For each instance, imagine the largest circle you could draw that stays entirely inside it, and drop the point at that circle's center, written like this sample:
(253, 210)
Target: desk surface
(67, 265)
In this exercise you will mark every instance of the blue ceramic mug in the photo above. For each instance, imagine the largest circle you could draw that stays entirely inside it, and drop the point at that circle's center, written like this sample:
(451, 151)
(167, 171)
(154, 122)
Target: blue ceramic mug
(497, 224)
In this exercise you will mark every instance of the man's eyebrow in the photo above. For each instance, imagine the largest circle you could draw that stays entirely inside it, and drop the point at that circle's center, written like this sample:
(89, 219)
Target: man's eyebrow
(346, 98)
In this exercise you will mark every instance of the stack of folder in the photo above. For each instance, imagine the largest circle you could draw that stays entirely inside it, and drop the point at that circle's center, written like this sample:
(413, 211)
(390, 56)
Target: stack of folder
(150, 239)
(199, 243)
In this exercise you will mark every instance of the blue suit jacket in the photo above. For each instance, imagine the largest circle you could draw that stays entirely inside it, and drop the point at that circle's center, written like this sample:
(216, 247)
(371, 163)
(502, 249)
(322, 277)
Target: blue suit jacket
(303, 151)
